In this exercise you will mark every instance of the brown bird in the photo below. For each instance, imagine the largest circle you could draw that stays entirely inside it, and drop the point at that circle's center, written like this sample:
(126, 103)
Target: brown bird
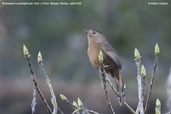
(112, 64)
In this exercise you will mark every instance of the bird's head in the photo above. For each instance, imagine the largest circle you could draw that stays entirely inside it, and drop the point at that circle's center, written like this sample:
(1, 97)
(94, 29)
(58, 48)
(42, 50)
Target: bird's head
(94, 35)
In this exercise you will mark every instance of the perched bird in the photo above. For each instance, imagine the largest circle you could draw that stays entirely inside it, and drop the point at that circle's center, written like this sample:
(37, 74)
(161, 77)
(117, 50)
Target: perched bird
(112, 64)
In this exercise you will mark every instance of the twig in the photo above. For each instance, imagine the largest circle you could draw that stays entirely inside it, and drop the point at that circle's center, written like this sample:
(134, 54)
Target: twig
(60, 111)
(111, 85)
(27, 56)
(33, 104)
(92, 112)
(103, 74)
(75, 111)
(37, 87)
(53, 100)
(140, 107)
(127, 105)
(140, 89)
(151, 82)
(106, 95)
(114, 90)
(105, 89)
(75, 107)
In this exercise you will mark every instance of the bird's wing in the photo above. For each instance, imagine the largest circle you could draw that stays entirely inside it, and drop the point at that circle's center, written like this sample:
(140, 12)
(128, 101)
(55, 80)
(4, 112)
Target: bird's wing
(113, 57)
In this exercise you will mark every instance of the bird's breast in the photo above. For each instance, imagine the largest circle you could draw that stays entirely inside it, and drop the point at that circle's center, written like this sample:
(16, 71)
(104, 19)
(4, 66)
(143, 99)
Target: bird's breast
(93, 56)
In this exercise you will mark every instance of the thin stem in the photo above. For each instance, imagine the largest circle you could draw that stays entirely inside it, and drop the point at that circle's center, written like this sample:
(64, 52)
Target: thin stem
(54, 103)
(111, 85)
(33, 104)
(114, 90)
(37, 87)
(77, 110)
(60, 111)
(77, 107)
(151, 82)
(107, 98)
(105, 89)
(92, 112)
(127, 105)
(140, 107)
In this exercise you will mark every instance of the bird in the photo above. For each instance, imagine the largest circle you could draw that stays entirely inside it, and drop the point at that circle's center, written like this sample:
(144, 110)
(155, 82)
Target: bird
(112, 65)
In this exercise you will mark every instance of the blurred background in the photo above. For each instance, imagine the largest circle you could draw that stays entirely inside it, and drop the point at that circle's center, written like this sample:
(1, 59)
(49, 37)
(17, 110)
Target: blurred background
(57, 31)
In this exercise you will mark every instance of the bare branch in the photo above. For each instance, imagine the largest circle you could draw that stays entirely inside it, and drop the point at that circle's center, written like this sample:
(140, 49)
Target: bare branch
(140, 107)
(151, 82)
(76, 106)
(53, 100)
(77, 110)
(127, 105)
(106, 93)
(33, 104)
(37, 87)
(104, 77)
(114, 90)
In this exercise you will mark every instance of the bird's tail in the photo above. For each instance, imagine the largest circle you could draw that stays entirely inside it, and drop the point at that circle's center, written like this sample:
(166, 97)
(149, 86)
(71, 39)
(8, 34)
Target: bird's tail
(120, 87)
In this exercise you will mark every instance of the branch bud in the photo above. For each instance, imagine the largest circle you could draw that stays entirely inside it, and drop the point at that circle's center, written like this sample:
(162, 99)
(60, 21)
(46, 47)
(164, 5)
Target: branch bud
(158, 102)
(75, 104)
(157, 49)
(39, 57)
(158, 107)
(25, 51)
(79, 102)
(137, 54)
(143, 71)
(52, 101)
(63, 97)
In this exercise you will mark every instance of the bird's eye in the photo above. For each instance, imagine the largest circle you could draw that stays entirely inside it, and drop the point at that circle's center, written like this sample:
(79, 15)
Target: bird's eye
(93, 32)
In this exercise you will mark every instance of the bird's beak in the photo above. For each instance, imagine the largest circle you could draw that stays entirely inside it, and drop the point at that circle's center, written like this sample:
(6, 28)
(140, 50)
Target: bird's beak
(86, 30)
